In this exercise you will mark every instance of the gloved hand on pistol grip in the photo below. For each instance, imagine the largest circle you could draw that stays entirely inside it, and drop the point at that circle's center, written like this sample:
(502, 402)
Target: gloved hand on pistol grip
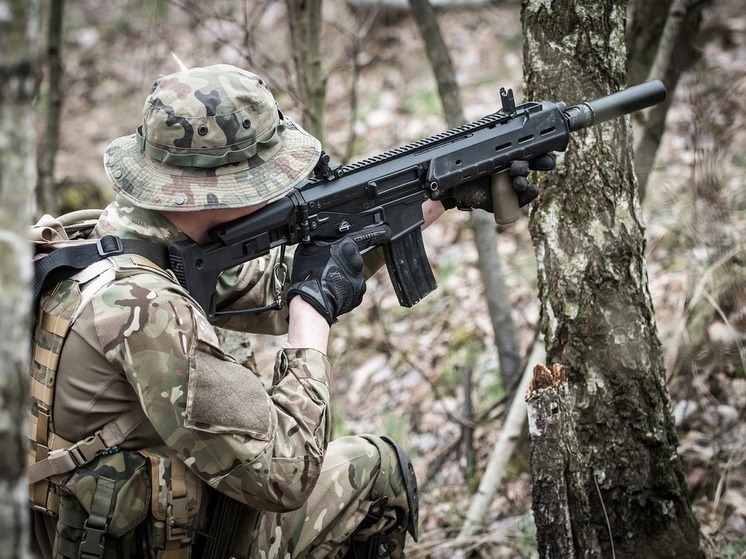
(329, 277)
(477, 193)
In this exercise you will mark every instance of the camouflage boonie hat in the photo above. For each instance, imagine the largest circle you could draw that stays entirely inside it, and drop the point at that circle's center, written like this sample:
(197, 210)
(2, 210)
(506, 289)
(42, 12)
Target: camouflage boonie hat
(211, 138)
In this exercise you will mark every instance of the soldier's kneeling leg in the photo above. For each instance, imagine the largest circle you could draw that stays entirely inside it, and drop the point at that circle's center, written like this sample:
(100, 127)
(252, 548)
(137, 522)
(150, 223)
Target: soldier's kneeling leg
(395, 507)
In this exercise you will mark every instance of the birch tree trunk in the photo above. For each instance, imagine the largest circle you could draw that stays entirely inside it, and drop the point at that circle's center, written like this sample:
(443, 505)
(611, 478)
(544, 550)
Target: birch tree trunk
(597, 315)
(18, 28)
(304, 21)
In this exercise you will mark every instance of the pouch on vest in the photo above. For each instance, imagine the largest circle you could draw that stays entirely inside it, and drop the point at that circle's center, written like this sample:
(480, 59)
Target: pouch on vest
(102, 507)
(129, 504)
(177, 495)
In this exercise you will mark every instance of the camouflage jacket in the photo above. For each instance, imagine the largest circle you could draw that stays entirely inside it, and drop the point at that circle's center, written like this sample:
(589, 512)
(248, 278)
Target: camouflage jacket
(143, 341)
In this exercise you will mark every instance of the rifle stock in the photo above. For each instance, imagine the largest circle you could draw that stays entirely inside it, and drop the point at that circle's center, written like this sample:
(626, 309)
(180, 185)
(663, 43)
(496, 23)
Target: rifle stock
(378, 201)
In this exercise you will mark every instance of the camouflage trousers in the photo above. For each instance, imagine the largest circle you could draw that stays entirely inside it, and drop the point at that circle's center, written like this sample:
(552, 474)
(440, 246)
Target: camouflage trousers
(360, 475)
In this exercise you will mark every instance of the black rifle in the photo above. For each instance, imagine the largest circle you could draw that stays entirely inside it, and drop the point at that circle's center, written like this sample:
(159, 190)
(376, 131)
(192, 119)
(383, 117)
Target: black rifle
(378, 201)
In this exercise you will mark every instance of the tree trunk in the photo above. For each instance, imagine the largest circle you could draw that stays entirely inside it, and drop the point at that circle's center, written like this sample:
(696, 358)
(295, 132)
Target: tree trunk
(661, 46)
(304, 19)
(17, 179)
(46, 194)
(482, 224)
(597, 315)
(555, 467)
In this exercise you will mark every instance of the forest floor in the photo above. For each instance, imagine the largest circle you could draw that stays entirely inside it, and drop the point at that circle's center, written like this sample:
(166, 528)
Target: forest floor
(399, 371)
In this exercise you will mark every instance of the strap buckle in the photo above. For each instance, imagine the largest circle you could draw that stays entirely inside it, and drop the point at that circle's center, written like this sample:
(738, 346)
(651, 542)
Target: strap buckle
(92, 544)
(176, 517)
(109, 245)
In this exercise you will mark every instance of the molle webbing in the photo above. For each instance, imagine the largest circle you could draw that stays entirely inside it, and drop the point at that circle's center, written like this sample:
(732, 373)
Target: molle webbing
(53, 324)
(60, 461)
(50, 455)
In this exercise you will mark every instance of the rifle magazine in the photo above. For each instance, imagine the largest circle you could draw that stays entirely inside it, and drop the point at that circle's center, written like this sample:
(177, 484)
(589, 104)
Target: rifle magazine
(409, 268)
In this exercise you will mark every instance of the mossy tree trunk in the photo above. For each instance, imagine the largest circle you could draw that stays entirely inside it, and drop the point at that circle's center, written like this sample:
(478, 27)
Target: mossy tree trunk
(597, 314)
(18, 77)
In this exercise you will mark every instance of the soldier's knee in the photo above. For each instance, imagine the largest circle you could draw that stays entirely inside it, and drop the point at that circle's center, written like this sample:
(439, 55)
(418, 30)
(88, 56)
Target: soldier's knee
(396, 483)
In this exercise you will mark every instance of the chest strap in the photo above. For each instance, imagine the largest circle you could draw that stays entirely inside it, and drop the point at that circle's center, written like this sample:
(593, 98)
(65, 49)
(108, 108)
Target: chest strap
(67, 459)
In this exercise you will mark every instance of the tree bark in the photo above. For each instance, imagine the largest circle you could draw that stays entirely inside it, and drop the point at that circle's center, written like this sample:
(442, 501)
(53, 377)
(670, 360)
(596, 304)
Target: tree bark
(555, 468)
(46, 189)
(597, 315)
(18, 28)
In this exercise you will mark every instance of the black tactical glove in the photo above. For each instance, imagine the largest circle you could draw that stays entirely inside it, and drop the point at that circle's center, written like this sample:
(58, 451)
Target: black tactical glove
(519, 173)
(477, 194)
(329, 277)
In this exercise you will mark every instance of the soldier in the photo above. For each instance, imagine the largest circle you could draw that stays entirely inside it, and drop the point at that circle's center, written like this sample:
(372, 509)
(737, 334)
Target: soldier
(148, 440)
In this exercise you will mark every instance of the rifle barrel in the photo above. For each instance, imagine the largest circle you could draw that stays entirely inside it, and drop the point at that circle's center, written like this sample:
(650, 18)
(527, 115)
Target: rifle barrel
(617, 104)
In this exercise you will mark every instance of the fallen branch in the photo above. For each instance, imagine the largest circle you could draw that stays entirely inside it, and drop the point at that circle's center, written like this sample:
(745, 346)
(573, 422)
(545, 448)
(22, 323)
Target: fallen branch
(500, 455)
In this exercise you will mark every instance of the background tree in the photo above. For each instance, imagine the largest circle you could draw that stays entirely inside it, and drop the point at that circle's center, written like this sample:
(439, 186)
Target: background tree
(660, 46)
(482, 223)
(304, 21)
(47, 197)
(597, 315)
(18, 27)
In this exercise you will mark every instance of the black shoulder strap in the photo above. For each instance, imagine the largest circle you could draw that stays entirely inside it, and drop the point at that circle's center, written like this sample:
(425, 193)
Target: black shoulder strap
(65, 262)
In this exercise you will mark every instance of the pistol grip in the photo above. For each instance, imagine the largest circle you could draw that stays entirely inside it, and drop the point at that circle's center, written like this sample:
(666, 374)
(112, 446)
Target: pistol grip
(409, 268)
(504, 199)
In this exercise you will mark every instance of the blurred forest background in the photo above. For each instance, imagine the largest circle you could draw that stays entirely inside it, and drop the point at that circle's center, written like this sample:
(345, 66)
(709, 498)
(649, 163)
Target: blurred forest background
(401, 371)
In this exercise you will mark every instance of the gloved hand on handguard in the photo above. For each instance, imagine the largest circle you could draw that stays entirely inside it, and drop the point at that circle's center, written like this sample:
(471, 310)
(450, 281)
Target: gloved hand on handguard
(329, 277)
(476, 194)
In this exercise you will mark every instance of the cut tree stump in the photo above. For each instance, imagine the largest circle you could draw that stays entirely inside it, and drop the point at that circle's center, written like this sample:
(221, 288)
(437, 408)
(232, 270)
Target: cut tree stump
(559, 500)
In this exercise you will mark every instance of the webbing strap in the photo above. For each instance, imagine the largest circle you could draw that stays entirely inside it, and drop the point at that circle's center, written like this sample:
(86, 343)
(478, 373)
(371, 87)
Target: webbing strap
(46, 358)
(92, 544)
(93, 525)
(67, 548)
(176, 512)
(82, 452)
(73, 517)
(64, 262)
(41, 391)
(54, 324)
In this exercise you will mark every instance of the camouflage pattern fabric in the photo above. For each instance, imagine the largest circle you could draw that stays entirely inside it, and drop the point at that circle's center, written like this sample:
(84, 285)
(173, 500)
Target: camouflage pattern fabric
(210, 138)
(266, 447)
(132, 494)
(83, 505)
(359, 475)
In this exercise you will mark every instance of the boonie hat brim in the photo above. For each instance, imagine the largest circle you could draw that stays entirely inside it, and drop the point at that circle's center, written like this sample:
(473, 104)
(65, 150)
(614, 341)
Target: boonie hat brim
(265, 177)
